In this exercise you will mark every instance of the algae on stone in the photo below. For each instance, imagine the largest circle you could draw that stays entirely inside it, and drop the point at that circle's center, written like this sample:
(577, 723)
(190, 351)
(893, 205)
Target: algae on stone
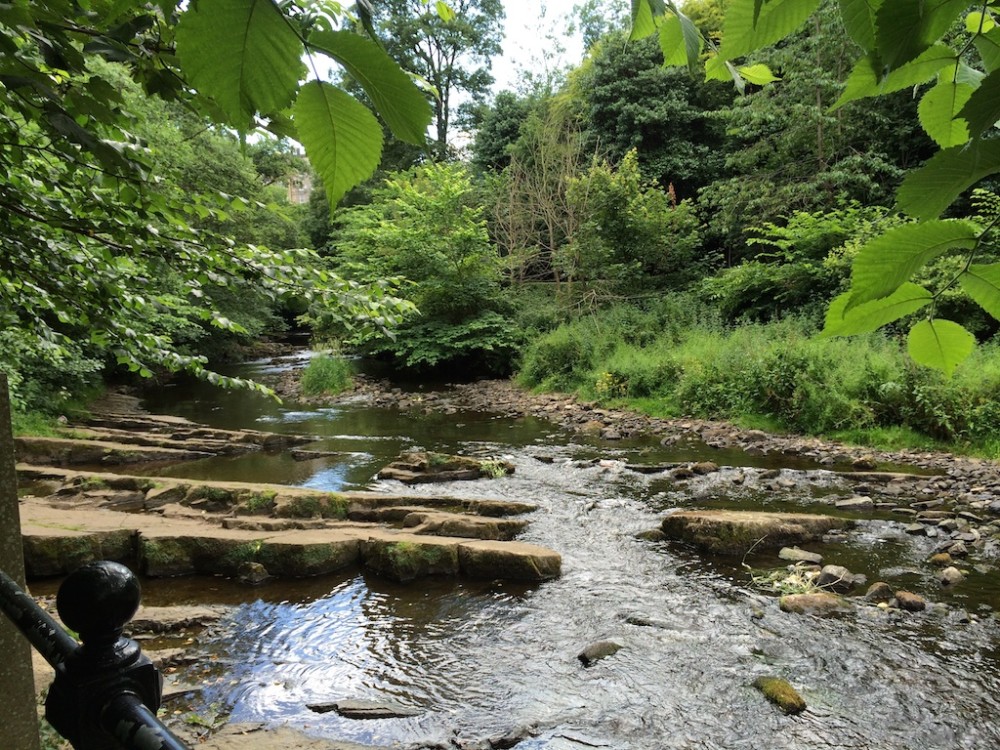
(781, 694)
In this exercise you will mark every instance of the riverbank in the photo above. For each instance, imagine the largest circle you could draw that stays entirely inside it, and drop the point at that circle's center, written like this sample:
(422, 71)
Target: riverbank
(958, 474)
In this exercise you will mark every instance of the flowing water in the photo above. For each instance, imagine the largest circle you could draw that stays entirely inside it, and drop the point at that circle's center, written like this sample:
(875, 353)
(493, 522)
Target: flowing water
(481, 659)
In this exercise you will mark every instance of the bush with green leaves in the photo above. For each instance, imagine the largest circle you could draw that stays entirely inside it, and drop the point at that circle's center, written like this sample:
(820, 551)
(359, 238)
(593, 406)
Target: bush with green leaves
(632, 237)
(426, 225)
(800, 265)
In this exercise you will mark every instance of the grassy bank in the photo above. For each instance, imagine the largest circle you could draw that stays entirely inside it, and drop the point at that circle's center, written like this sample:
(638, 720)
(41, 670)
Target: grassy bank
(676, 358)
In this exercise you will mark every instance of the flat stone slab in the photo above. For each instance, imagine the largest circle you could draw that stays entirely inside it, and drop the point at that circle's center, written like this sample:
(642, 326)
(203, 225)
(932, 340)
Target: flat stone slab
(260, 737)
(727, 532)
(59, 538)
(362, 709)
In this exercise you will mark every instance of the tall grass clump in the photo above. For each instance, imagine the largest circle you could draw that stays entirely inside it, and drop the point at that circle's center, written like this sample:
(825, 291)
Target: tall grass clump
(326, 374)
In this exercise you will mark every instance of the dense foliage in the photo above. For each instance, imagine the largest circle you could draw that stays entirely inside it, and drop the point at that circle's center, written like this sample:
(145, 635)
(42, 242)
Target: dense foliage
(426, 225)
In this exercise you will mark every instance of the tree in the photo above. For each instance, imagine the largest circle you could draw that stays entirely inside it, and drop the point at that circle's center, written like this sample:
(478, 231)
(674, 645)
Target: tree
(900, 45)
(629, 100)
(451, 53)
(785, 151)
(87, 236)
(426, 225)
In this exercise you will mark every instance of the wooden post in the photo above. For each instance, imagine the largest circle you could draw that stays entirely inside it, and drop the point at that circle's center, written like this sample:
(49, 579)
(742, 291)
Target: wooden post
(19, 728)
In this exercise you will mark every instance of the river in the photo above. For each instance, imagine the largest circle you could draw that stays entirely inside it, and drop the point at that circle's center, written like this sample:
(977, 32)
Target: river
(481, 660)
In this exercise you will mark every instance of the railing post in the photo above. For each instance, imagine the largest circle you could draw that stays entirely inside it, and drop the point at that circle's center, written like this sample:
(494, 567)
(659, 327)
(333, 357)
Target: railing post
(19, 728)
(106, 693)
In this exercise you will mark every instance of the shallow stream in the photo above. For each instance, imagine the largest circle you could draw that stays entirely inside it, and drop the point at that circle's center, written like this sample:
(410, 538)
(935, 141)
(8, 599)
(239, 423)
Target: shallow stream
(481, 660)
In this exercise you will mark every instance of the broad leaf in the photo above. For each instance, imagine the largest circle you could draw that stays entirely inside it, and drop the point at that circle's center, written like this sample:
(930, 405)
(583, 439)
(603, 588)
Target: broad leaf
(871, 316)
(940, 344)
(645, 18)
(979, 22)
(241, 53)
(988, 46)
(982, 283)
(865, 80)
(859, 21)
(905, 28)
(929, 190)
(342, 138)
(758, 74)
(887, 261)
(777, 19)
(401, 104)
(982, 110)
(939, 112)
(680, 40)
(672, 42)
(444, 11)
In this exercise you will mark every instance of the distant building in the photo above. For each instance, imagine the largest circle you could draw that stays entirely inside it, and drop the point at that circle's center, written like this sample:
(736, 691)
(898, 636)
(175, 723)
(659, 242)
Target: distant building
(300, 185)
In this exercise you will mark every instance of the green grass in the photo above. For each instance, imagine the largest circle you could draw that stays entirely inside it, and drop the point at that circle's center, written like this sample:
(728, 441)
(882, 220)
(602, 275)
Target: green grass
(777, 377)
(326, 375)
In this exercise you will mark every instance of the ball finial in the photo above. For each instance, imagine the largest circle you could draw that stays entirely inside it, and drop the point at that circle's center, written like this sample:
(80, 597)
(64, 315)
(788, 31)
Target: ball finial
(98, 599)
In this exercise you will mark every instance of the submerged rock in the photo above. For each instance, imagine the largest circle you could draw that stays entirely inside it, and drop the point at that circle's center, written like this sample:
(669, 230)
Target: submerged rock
(818, 603)
(597, 651)
(731, 532)
(796, 555)
(363, 709)
(836, 578)
(910, 602)
(879, 592)
(781, 694)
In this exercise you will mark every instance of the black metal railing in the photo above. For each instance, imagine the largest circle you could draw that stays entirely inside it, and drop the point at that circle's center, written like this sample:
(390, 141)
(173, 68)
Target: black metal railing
(106, 692)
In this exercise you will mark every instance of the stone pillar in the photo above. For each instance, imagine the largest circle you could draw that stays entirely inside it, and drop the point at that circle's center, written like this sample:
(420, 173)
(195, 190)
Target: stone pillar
(19, 728)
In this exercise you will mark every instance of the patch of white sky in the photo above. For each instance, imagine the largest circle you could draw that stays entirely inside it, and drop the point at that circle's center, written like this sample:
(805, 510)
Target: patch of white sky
(536, 41)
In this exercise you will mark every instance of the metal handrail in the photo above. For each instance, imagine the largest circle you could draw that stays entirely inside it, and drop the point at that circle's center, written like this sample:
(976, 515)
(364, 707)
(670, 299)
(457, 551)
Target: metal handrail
(106, 691)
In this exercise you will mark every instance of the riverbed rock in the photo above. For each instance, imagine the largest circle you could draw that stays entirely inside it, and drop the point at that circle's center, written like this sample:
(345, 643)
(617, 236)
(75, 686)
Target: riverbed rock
(836, 578)
(781, 693)
(818, 603)
(796, 555)
(730, 532)
(365, 709)
(858, 502)
(879, 592)
(597, 651)
(253, 573)
(246, 736)
(514, 561)
(951, 576)
(421, 467)
(910, 602)
(410, 557)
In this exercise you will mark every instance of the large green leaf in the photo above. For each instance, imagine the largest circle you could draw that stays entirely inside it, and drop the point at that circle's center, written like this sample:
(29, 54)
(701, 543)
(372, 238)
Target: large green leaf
(982, 109)
(929, 190)
(645, 17)
(672, 42)
(865, 79)
(777, 19)
(342, 138)
(871, 316)
(939, 112)
(988, 46)
(401, 104)
(241, 53)
(680, 40)
(887, 261)
(940, 344)
(859, 21)
(982, 283)
(905, 28)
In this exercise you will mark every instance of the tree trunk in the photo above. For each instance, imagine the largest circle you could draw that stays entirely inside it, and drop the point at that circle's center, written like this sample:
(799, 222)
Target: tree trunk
(19, 729)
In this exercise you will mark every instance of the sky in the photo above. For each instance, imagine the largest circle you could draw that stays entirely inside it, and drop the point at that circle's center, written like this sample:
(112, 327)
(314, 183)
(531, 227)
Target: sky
(527, 38)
